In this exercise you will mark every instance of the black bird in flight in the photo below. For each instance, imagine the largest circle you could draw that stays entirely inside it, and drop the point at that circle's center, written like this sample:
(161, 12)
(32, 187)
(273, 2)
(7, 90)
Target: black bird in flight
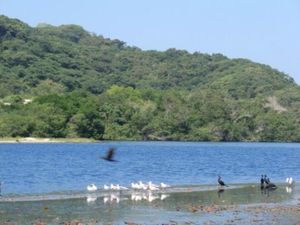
(221, 182)
(110, 155)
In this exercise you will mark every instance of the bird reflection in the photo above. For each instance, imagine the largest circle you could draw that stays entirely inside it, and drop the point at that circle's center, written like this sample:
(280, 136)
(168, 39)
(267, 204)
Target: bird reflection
(111, 198)
(289, 189)
(91, 198)
(220, 192)
(164, 196)
(266, 191)
(149, 197)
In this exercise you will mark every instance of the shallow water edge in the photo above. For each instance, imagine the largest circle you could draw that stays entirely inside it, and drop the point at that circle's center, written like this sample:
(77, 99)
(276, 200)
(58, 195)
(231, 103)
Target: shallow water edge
(191, 203)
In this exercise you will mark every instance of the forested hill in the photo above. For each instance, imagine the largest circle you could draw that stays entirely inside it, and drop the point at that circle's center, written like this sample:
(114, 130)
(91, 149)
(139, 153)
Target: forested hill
(70, 56)
(78, 84)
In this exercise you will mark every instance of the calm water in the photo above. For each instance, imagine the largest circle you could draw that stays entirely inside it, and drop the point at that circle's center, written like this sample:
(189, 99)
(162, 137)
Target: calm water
(45, 168)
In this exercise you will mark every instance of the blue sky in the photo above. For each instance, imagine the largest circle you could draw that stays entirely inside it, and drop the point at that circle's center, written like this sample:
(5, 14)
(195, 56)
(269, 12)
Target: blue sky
(265, 31)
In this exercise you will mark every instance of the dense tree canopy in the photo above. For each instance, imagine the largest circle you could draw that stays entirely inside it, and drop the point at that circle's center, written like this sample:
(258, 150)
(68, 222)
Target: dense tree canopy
(66, 82)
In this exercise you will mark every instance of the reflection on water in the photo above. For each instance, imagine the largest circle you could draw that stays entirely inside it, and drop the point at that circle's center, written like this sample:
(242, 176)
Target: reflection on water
(220, 192)
(289, 189)
(135, 197)
(91, 198)
(136, 206)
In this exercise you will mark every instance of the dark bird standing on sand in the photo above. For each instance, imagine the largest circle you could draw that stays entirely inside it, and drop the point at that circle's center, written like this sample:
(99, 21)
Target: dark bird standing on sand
(262, 182)
(110, 155)
(267, 180)
(221, 182)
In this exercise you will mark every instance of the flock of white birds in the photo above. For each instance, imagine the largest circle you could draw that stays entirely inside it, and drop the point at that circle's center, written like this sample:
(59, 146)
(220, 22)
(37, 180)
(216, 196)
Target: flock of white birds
(135, 186)
(141, 191)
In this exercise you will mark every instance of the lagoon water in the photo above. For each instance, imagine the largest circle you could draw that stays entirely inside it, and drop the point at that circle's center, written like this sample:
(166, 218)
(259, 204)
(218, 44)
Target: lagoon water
(47, 168)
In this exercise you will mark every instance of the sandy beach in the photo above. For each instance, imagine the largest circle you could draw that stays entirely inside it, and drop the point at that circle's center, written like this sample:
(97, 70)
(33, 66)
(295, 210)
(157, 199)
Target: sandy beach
(46, 140)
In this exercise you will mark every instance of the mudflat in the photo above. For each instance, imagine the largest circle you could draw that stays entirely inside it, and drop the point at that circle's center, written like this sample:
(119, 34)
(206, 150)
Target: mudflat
(239, 204)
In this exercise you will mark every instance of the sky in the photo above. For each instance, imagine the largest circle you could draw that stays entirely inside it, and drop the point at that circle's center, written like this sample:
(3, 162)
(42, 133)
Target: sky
(264, 31)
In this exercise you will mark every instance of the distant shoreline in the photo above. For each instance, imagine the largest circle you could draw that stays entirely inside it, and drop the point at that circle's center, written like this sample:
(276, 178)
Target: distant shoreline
(15, 140)
(46, 140)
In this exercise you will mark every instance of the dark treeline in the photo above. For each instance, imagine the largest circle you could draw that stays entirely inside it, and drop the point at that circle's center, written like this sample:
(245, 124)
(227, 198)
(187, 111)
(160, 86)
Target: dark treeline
(79, 84)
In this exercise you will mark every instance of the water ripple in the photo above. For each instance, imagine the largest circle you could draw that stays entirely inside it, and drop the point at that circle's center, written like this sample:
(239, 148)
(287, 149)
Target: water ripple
(44, 168)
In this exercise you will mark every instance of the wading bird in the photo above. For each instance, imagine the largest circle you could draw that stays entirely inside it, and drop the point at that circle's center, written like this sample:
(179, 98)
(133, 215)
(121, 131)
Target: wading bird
(221, 183)
(92, 187)
(290, 181)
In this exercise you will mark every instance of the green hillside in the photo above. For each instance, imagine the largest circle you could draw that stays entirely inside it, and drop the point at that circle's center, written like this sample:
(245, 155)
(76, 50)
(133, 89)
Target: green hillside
(66, 82)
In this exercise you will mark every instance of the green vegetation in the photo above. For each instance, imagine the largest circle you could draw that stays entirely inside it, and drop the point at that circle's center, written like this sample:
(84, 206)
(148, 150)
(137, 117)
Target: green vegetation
(63, 82)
